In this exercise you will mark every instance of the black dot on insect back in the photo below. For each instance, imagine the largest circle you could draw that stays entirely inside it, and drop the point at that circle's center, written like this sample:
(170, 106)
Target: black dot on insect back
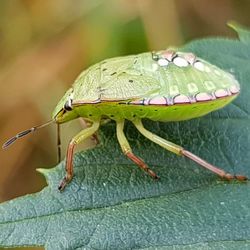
(156, 110)
(130, 80)
(90, 114)
(134, 115)
(111, 115)
(104, 69)
(113, 73)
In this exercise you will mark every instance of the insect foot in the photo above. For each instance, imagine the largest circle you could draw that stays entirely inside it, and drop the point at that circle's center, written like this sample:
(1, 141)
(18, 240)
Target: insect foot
(142, 165)
(230, 177)
(214, 169)
(64, 182)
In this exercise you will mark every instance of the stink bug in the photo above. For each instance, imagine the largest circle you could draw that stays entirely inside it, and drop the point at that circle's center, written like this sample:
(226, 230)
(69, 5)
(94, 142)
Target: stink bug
(161, 86)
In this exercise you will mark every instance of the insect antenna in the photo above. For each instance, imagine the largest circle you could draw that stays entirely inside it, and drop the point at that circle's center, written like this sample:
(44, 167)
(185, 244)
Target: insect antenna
(24, 133)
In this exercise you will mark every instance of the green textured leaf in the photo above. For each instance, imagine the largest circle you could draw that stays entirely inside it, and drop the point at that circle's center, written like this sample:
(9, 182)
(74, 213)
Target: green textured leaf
(111, 204)
(243, 32)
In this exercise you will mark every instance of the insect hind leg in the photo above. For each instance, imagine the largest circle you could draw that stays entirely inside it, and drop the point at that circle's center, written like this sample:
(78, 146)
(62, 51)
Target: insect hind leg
(182, 152)
(128, 151)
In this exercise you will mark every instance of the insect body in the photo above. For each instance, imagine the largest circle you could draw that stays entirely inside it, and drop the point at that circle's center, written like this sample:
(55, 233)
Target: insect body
(162, 86)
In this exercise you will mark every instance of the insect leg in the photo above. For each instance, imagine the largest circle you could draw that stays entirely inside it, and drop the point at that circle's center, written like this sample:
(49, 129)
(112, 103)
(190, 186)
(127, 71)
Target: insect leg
(69, 157)
(128, 152)
(181, 151)
(84, 123)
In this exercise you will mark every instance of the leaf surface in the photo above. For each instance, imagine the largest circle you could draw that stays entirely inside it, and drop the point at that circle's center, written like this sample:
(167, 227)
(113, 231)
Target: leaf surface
(111, 204)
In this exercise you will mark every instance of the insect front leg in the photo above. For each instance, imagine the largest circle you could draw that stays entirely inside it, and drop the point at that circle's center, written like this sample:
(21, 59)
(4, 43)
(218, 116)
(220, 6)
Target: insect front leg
(69, 157)
(181, 151)
(126, 149)
(85, 123)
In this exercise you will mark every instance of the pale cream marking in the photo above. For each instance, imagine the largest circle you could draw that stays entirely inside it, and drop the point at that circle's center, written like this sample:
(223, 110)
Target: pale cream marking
(155, 67)
(192, 87)
(173, 90)
(209, 85)
(217, 72)
(207, 69)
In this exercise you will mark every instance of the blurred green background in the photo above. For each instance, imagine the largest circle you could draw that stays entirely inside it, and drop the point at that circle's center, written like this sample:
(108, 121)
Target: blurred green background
(45, 44)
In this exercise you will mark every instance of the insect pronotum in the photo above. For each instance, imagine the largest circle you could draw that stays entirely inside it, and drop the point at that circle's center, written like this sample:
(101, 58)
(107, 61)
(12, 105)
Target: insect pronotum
(161, 86)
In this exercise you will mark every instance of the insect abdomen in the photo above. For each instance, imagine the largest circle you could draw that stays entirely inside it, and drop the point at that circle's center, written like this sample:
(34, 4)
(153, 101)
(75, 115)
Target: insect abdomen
(178, 112)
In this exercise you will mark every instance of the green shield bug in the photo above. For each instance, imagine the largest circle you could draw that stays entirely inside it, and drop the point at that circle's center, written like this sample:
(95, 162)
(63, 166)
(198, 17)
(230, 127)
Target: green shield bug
(162, 86)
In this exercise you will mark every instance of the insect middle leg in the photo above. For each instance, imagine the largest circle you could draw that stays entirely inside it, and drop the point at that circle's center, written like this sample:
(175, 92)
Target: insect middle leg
(181, 151)
(69, 157)
(126, 149)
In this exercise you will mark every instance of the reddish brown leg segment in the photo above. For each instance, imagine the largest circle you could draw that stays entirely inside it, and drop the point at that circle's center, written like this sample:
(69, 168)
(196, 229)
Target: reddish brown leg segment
(68, 166)
(181, 151)
(212, 168)
(128, 152)
(139, 162)
(69, 157)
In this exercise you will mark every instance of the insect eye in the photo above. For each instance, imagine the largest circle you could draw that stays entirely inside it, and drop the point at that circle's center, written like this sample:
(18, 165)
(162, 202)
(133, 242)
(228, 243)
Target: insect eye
(68, 105)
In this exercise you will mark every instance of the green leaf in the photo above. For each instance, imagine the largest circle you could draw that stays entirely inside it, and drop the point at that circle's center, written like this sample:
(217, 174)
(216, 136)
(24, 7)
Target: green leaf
(243, 32)
(111, 204)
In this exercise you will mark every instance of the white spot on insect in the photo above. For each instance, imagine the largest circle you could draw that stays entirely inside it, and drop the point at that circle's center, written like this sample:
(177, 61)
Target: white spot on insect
(203, 97)
(180, 62)
(192, 87)
(199, 65)
(221, 93)
(209, 85)
(234, 89)
(160, 100)
(181, 99)
(163, 62)
(174, 90)
(155, 67)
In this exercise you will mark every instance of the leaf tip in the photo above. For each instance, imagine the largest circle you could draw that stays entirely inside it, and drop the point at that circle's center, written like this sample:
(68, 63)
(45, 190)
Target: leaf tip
(43, 171)
(233, 24)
